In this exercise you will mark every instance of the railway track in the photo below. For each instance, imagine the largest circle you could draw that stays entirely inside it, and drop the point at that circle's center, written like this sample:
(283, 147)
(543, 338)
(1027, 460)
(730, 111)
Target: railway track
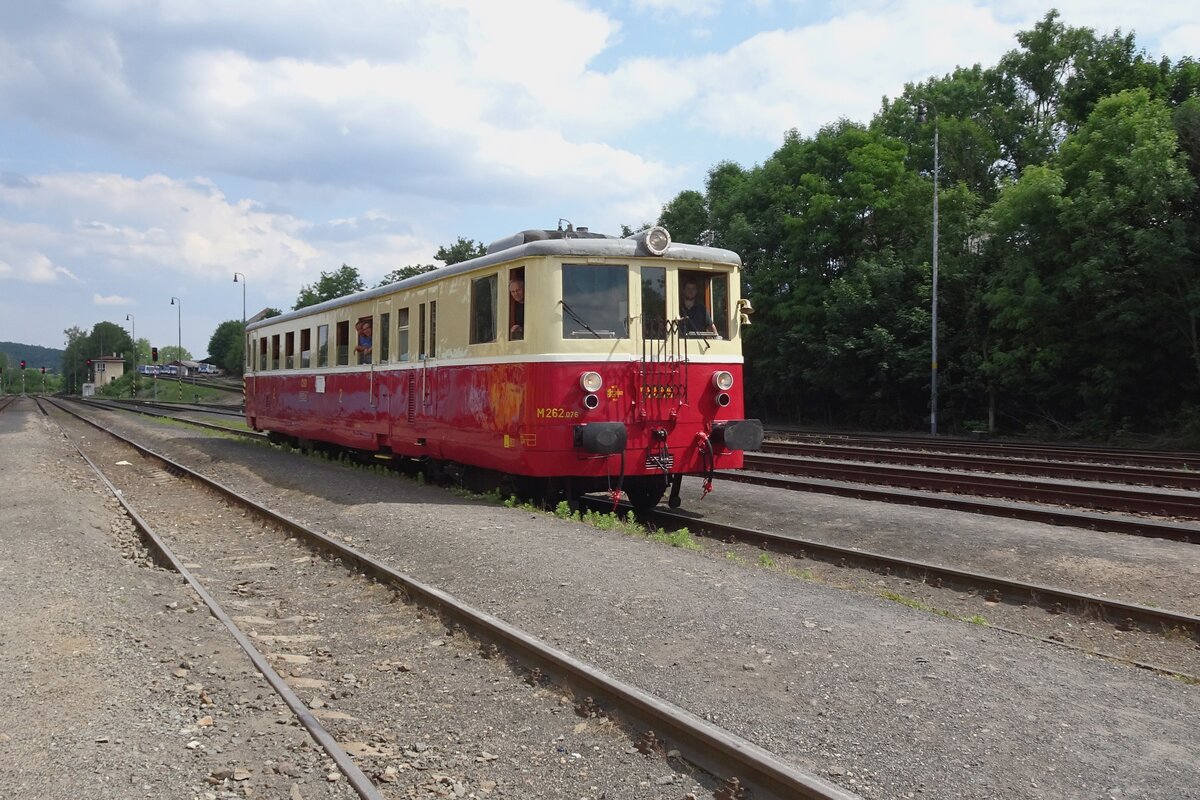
(1097, 455)
(738, 763)
(1078, 495)
(1011, 465)
(1123, 615)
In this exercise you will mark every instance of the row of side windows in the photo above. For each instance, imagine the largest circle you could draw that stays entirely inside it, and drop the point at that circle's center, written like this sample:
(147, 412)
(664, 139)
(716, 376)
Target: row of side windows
(369, 342)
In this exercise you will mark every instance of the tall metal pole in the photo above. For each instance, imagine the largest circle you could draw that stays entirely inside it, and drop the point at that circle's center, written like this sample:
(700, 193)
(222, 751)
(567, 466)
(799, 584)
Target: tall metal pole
(175, 301)
(933, 379)
(133, 332)
(243, 282)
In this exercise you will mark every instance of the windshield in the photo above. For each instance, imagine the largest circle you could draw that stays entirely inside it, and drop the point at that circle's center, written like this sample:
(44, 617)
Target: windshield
(595, 301)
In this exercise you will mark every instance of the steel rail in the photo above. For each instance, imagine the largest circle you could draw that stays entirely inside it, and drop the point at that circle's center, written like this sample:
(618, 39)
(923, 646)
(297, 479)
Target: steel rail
(361, 784)
(1051, 598)
(714, 750)
(1133, 526)
(1130, 500)
(1075, 470)
(1164, 458)
(199, 408)
(138, 409)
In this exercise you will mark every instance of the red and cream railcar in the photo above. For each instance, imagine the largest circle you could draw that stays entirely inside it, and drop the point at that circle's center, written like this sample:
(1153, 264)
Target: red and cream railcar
(567, 360)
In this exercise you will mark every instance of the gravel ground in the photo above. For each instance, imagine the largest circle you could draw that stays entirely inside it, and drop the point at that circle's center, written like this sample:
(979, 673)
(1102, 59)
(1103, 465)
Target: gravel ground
(423, 713)
(108, 687)
(886, 700)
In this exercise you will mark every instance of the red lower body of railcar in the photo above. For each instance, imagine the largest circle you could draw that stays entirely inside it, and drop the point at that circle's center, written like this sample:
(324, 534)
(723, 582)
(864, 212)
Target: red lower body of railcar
(518, 418)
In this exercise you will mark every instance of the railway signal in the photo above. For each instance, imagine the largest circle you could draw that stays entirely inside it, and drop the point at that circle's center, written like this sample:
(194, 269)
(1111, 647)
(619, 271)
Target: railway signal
(22, 364)
(154, 354)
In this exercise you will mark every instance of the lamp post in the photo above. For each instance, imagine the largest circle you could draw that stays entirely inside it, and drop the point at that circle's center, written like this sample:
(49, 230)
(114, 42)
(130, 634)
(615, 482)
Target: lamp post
(236, 275)
(175, 301)
(133, 332)
(933, 362)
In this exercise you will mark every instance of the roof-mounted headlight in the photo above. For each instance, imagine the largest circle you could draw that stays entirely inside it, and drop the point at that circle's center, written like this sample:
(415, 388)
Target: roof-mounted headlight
(657, 240)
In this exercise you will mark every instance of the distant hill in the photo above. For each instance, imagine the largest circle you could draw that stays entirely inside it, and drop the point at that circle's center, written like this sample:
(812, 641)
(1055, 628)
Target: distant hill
(35, 357)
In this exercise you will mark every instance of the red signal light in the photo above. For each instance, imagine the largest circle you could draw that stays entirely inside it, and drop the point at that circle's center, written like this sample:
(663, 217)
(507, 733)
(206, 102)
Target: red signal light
(22, 363)
(154, 354)
(43, 370)
(89, 362)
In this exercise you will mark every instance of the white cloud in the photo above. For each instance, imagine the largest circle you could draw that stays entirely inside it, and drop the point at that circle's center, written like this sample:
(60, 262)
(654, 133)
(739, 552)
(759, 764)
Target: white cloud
(112, 300)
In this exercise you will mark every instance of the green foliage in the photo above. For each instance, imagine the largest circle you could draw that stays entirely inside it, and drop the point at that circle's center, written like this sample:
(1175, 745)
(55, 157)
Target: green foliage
(397, 275)
(341, 282)
(227, 346)
(461, 250)
(1069, 223)
(686, 217)
(13, 352)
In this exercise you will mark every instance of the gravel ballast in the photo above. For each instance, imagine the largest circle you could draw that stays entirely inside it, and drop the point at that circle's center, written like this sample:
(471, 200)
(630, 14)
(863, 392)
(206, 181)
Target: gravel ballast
(886, 700)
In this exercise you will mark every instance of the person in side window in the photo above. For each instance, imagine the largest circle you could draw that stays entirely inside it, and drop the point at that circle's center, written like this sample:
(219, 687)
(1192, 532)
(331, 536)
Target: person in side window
(695, 317)
(364, 327)
(516, 290)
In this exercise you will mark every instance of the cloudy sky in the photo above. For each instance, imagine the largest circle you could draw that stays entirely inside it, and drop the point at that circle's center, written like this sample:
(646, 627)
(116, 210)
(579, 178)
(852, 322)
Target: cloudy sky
(151, 148)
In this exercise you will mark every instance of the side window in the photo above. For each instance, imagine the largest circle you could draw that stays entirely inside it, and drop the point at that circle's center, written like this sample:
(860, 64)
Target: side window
(322, 345)
(695, 311)
(306, 348)
(421, 332)
(654, 302)
(402, 338)
(343, 343)
(595, 301)
(262, 353)
(385, 337)
(275, 351)
(433, 328)
(483, 310)
(720, 303)
(516, 303)
(364, 337)
(289, 350)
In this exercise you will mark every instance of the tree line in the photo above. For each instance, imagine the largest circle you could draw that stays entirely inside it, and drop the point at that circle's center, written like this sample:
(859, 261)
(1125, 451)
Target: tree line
(1069, 284)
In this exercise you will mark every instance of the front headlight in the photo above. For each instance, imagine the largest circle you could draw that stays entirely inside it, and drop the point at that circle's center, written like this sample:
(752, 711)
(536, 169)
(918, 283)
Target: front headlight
(658, 240)
(722, 380)
(591, 381)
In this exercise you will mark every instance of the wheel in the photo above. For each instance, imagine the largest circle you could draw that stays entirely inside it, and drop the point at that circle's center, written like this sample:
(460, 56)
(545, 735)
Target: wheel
(645, 493)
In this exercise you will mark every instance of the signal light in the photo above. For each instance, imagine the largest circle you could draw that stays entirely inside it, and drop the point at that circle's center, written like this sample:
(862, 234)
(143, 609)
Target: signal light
(22, 363)
(154, 354)
(43, 370)
(89, 362)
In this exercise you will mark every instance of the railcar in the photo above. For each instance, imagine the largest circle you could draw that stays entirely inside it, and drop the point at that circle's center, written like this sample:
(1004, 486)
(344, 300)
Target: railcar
(560, 362)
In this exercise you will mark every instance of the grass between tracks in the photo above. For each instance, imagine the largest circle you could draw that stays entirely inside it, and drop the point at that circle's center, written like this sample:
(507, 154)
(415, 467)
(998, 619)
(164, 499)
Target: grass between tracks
(912, 602)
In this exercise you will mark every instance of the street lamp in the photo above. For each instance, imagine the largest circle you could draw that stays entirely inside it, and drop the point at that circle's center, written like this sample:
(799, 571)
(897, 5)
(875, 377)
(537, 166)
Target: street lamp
(933, 363)
(133, 332)
(243, 282)
(175, 301)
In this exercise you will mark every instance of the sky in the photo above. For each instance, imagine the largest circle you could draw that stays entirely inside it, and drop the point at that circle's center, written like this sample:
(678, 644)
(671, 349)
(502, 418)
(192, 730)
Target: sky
(150, 149)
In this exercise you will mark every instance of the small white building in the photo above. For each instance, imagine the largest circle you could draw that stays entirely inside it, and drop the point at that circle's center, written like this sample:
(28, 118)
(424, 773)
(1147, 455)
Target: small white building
(107, 369)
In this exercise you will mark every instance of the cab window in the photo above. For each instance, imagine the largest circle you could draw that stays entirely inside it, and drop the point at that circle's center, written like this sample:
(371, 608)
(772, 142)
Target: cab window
(595, 301)
(654, 302)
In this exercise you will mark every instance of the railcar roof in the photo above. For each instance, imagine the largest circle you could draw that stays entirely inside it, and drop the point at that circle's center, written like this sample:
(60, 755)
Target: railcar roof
(607, 248)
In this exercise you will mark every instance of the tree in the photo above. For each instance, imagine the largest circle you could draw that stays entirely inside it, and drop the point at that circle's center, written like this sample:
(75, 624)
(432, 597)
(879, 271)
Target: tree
(173, 353)
(339, 283)
(461, 250)
(397, 275)
(686, 217)
(226, 346)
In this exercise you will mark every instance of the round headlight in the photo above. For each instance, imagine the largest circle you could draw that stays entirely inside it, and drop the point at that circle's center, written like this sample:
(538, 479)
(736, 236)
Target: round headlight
(591, 381)
(723, 380)
(658, 240)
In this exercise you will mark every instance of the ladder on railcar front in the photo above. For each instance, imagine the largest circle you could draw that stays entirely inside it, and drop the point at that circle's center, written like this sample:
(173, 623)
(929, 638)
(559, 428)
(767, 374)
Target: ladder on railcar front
(662, 371)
